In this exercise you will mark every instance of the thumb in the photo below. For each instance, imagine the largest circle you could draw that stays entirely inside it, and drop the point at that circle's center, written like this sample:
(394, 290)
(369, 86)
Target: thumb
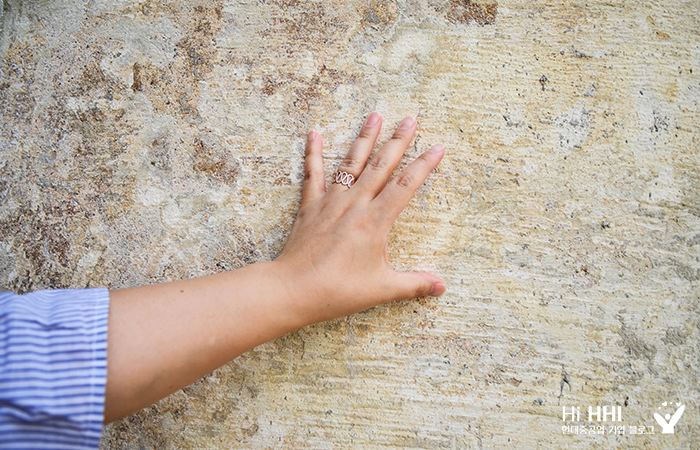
(417, 284)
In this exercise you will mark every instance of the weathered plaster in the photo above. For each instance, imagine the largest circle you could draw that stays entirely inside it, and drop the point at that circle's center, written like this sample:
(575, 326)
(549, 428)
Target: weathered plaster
(146, 141)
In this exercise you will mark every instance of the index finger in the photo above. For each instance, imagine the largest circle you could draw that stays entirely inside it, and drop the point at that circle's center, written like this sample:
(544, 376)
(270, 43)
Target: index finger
(399, 191)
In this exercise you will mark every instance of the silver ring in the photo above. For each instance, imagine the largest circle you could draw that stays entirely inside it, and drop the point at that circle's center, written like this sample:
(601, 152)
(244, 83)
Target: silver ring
(344, 178)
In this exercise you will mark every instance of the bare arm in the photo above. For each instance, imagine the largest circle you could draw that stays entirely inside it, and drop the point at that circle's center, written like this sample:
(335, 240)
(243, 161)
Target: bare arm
(163, 337)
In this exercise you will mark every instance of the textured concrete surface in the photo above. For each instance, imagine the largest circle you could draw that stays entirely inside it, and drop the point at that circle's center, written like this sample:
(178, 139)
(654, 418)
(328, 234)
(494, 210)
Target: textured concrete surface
(145, 141)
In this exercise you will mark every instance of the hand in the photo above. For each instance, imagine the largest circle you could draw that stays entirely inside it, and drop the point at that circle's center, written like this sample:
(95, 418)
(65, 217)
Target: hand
(335, 259)
(165, 336)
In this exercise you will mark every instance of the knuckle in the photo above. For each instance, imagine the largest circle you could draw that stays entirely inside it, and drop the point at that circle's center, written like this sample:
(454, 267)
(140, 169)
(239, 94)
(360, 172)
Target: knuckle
(380, 162)
(405, 180)
(365, 133)
(419, 292)
(350, 162)
(423, 159)
(401, 135)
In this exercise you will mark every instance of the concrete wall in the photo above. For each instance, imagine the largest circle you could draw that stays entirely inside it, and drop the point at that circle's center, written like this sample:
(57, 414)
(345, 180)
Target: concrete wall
(145, 141)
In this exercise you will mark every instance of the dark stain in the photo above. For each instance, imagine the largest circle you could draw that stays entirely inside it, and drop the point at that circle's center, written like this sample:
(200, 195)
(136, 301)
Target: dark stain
(307, 90)
(251, 430)
(309, 27)
(675, 336)
(92, 79)
(198, 45)
(214, 161)
(579, 54)
(660, 123)
(286, 4)
(466, 11)
(16, 100)
(379, 13)
(565, 380)
(686, 272)
(58, 188)
(137, 85)
(49, 243)
(184, 104)
(159, 154)
(320, 85)
(247, 251)
(695, 240)
(195, 57)
(635, 346)
(268, 169)
(219, 416)
(270, 85)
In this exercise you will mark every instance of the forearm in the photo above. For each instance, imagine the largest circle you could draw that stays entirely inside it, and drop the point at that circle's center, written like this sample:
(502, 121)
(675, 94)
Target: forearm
(165, 336)
(334, 263)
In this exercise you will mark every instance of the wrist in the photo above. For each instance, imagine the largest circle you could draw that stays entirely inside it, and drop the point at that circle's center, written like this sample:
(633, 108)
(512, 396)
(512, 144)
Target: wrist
(292, 295)
(276, 299)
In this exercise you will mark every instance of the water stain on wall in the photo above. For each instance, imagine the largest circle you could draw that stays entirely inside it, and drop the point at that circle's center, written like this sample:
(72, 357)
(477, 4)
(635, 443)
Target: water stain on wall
(466, 11)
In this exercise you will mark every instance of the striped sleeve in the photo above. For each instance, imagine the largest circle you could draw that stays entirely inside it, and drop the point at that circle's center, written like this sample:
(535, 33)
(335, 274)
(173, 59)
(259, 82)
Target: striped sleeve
(53, 368)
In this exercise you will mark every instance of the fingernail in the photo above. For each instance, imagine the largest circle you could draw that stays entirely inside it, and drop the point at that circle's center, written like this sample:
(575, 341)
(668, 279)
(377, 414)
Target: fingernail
(436, 149)
(372, 120)
(437, 290)
(407, 123)
(313, 136)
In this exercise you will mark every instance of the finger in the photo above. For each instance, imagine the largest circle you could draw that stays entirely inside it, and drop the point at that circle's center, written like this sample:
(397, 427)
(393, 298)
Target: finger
(382, 164)
(399, 191)
(314, 179)
(416, 284)
(356, 158)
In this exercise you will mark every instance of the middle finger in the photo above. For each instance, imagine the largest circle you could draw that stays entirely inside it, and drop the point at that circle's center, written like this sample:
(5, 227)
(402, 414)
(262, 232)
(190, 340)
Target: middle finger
(356, 158)
(382, 164)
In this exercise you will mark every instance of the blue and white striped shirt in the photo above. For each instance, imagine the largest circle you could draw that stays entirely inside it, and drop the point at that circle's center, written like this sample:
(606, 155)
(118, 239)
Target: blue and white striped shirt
(53, 368)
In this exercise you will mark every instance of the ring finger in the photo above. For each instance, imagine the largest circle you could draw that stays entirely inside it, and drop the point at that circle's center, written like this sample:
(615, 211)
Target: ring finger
(356, 158)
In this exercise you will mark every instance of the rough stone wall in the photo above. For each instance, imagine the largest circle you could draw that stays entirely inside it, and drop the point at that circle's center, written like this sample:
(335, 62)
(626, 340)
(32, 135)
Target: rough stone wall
(144, 141)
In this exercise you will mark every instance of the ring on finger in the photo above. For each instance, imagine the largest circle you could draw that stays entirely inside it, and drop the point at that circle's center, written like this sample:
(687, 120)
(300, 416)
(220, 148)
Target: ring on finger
(344, 178)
